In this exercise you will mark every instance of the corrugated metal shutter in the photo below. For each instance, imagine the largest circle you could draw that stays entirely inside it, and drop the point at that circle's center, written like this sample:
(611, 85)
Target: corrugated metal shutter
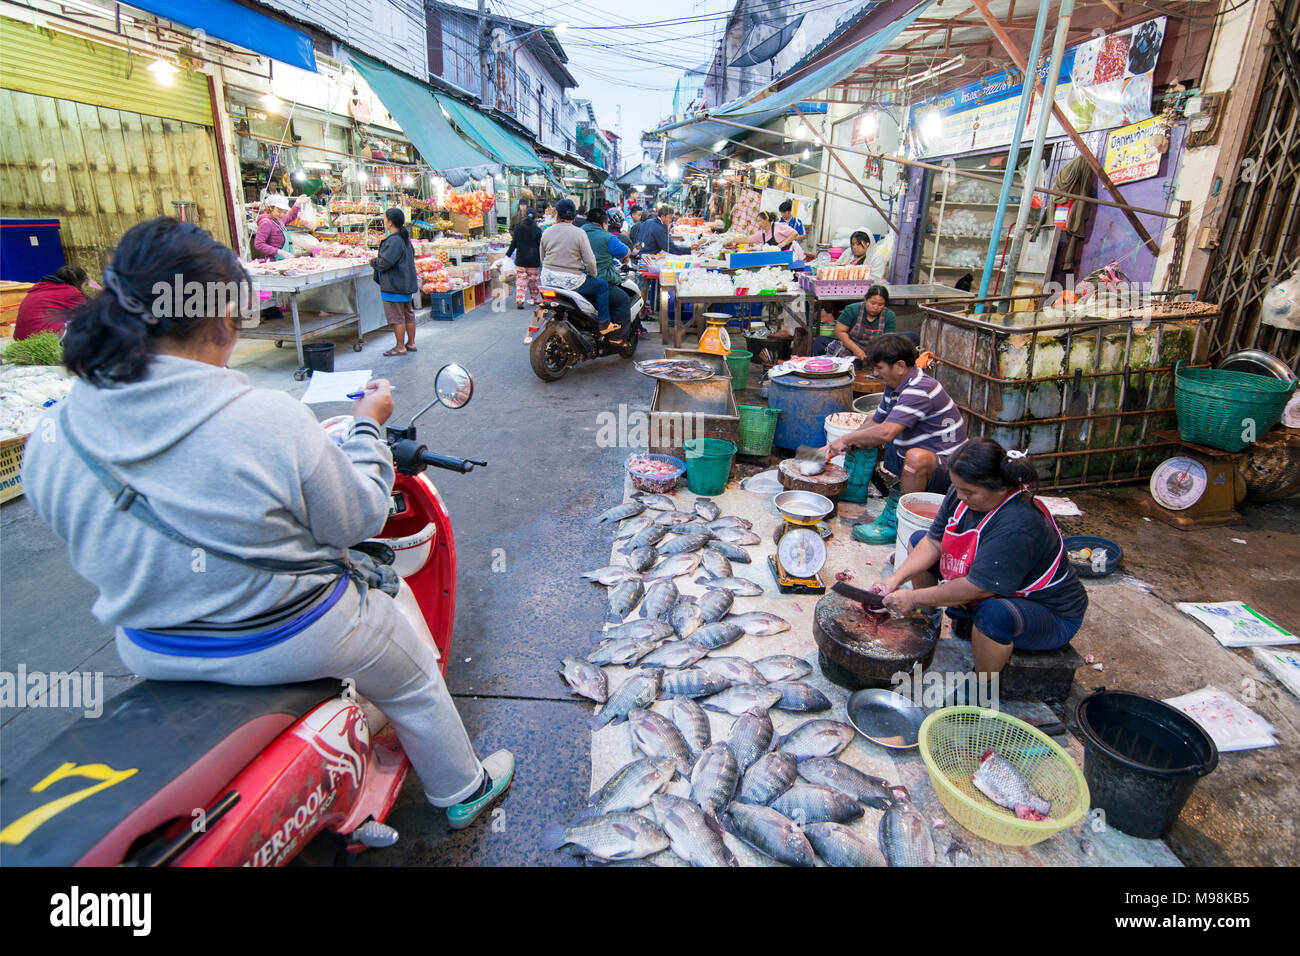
(71, 68)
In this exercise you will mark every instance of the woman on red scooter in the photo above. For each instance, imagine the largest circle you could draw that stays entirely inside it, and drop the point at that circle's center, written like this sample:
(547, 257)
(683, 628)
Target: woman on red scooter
(248, 475)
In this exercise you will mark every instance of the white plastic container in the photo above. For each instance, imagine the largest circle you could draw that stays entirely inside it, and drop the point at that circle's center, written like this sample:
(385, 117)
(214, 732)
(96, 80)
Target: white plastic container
(839, 431)
(909, 522)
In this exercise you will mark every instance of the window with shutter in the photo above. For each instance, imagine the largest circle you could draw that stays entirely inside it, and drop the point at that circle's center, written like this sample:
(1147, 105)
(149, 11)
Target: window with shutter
(433, 40)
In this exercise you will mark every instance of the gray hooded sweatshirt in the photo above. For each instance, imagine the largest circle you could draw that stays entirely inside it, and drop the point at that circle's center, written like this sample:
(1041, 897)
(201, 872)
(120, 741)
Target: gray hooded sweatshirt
(243, 469)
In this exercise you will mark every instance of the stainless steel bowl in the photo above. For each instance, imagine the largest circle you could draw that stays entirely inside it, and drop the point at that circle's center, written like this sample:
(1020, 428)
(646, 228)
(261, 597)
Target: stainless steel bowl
(1258, 362)
(803, 505)
(886, 718)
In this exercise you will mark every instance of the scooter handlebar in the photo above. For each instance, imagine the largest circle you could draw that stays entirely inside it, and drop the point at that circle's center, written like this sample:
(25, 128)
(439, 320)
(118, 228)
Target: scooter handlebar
(450, 464)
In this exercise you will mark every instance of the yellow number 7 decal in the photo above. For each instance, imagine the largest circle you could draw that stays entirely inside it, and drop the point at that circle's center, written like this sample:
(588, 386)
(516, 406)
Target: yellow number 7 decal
(22, 828)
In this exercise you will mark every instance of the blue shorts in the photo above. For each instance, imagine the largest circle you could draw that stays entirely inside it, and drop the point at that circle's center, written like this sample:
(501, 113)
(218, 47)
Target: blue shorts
(1020, 622)
(893, 463)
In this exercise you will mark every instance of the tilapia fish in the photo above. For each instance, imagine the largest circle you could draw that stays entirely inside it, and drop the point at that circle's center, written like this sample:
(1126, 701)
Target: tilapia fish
(713, 780)
(613, 836)
(682, 543)
(738, 669)
(639, 690)
(659, 600)
(706, 509)
(674, 567)
(627, 509)
(732, 552)
(716, 635)
(691, 832)
(730, 521)
(715, 563)
(800, 697)
(811, 803)
(830, 772)
(673, 654)
(632, 786)
(737, 536)
(685, 616)
(751, 736)
(690, 718)
(656, 736)
(656, 502)
(623, 650)
(585, 678)
(644, 538)
(817, 738)
(739, 698)
(769, 833)
(1003, 784)
(771, 775)
(633, 525)
(743, 587)
(760, 623)
(693, 682)
(780, 667)
(715, 604)
(610, 575)
(658, 630)
(838, 845)
(905, 837)
(623, 598)
(642, 559)
(667, 519)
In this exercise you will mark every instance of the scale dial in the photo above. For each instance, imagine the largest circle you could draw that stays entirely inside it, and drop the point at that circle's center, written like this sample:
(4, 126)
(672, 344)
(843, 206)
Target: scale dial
(1178, 483)
(802, 552)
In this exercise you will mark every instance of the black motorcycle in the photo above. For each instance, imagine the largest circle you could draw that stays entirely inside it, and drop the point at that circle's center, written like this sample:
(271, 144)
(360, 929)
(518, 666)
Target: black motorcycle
(566, 330)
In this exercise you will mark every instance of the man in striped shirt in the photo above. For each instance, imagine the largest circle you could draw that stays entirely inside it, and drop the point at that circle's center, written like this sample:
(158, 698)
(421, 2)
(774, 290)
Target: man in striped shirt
(918, 426)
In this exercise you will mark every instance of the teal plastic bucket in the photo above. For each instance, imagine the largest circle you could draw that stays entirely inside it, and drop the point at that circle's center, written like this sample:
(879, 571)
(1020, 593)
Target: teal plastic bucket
(708, 464)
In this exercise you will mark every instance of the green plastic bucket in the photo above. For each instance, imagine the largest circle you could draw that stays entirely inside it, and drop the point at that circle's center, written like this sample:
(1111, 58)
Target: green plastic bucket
(757, 429)
(708, 464)
(738, 360)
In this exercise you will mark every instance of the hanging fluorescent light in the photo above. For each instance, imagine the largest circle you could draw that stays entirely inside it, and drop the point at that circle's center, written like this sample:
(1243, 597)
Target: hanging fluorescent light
(385, 182)
(162, 71)
(362, 176)
(955, 63)
(407, 180)
(870, 124)
(316, 165)
(673, 170)
(271, 102)
(931, 124)
(299, 176)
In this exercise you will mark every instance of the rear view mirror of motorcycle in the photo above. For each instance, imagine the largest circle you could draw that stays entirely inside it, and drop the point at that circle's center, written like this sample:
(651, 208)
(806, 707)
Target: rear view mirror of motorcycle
(454, 386)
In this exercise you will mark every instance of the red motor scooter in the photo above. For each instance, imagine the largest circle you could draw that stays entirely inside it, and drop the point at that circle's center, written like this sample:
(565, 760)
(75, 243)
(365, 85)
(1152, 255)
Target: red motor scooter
(200, 774)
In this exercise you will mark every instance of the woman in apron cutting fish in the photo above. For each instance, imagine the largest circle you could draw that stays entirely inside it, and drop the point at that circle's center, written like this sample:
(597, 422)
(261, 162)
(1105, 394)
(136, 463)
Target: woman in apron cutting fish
(995, 559)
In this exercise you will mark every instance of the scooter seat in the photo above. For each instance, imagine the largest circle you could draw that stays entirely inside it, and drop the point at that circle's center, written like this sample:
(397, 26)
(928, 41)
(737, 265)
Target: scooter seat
(581, 302)
(181, 743)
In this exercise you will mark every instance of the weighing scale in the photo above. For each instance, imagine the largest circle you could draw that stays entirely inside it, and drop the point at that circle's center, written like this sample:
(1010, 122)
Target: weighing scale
(1200, 488)
(715, 339)
(800, 545)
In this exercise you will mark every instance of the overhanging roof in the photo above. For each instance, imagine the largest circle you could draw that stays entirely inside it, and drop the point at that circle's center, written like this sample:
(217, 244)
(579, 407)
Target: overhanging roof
(491, 137)
(227, 20)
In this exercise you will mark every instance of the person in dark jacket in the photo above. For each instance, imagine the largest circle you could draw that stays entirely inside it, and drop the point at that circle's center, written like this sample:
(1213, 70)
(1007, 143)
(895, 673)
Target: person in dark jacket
(398, 282)
(525, 239)
(609, 251)
(44, 307)
(654, 235)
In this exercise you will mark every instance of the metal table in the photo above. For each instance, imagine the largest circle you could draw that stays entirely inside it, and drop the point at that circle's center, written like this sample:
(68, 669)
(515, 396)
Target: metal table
(304, 324)
(779, 298)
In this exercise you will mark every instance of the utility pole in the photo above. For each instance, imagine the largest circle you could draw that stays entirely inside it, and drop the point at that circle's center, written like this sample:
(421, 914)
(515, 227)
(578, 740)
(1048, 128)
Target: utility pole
(485, 88)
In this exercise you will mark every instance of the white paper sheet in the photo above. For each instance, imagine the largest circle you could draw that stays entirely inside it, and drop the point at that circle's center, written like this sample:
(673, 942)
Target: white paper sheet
(334, 386)
(1231, 724)
(1235, 624)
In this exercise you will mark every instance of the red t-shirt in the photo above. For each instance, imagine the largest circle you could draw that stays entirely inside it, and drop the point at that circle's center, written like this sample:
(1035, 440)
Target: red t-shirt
(42, 308)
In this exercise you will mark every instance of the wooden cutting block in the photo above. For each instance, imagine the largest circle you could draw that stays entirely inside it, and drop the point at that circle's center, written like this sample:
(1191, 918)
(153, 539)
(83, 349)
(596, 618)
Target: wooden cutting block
(830, 482)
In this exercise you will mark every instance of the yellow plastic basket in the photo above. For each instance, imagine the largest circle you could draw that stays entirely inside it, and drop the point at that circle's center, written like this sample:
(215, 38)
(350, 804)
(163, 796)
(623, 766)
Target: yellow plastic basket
(951, 743)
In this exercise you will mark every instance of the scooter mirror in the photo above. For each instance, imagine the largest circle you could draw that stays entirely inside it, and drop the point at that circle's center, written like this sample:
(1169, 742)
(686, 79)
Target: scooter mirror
(454, 386)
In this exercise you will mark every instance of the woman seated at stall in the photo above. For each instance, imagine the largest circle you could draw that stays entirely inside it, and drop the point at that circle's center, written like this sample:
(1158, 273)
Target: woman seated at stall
(995, 559)
(773, 232)
(859, 325)
(863, 252)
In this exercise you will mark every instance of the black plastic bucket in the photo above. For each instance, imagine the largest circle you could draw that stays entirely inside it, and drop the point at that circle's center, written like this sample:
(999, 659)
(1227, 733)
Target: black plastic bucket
(1141, 759)
(319, 356)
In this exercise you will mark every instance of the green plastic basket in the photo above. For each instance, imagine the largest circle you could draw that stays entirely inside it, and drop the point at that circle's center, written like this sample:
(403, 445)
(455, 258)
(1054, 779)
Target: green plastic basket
(708, 464)
(757, 429)
(1224, 409)
(738, 362)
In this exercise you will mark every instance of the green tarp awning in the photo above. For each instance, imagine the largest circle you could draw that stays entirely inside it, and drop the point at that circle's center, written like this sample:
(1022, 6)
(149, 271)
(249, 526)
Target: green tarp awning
(490, 136)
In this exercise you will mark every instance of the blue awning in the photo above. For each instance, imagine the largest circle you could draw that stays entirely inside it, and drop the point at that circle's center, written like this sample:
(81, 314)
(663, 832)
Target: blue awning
(227, 20)
(491, 137)
(417, 112)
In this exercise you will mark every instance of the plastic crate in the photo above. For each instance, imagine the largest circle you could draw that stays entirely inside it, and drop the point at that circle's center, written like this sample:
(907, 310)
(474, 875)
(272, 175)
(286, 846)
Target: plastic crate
(446, 306)
(820, 287)
(467, 300)
(11, 463)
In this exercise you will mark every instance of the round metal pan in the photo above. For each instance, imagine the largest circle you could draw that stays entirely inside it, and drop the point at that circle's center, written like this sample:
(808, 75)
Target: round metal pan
(886, 718)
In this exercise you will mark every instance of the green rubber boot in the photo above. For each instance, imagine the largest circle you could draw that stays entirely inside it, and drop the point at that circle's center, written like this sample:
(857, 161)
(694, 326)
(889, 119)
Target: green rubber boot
(885, 528)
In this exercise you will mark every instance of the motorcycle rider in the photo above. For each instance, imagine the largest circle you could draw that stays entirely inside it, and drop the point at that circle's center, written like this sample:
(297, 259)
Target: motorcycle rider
(250, 476)
(568, 262)
(655, 235)
(607, 248)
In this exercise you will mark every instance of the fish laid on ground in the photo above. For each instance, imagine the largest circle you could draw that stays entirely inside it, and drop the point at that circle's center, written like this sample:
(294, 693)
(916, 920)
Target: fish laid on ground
(632, 786)
(751, 736)
(627, 509)
(714, 604)
(812, 803)
(623, 598)
(645, 538)
(667, 519)
(1003, 784)
(742, 587)
(716, 635)
(693, 682)
(706, 509)
(674, 567)
(685, 616)
(642, 559)
(614, 836)
(585, 678)
(713, 781)
(730, 521)
(738, 536)
(673, 654)
(769, 833)
(760, 623)
(656, 502)
(829, 772)
(771, 775)
(610, 575)
(682, 543)
(634, 525)
(659, 630)
(715, 563)
(782, 666)
(690, 718)
(838, 845)
(656, 736)
(693, 527)
(691, 832)
(817, 738)
(732, 552)
(739, 669)
(800, 697)
(738, 698)
(639, 690)
(659, 600)
(623, 650)
(905, 837)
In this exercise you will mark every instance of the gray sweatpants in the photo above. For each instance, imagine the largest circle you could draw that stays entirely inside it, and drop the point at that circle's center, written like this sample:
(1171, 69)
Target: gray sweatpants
(364, 636)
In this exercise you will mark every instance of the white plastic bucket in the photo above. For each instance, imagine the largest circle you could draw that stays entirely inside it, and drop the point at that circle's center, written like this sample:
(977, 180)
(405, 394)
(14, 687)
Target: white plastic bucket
(909, 522)
(839, 431)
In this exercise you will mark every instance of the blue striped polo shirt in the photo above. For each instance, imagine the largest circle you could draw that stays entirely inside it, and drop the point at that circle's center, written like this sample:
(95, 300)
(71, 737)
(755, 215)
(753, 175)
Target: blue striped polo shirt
(930, 419)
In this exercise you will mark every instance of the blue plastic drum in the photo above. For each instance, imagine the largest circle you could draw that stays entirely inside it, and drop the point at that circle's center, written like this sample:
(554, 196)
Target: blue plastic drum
(804, 405)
